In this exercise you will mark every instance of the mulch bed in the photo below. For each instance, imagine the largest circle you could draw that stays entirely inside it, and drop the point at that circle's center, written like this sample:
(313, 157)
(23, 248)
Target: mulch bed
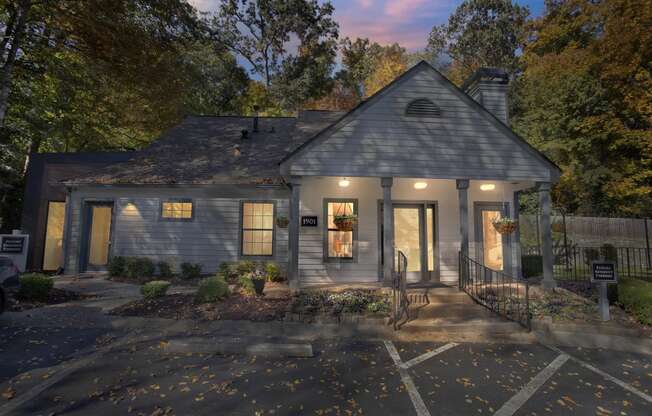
(55, 297)
(183, 306)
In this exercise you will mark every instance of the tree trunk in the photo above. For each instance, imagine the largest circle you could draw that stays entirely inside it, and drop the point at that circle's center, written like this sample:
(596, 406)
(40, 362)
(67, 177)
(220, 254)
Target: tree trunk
(5, 73)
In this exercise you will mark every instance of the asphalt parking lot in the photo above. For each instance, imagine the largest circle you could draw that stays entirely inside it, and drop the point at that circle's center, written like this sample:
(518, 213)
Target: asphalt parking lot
(351, 377)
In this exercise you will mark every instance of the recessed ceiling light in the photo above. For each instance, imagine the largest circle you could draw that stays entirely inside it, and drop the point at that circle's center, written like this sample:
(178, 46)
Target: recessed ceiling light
(420, 185)
(344, 183)
(487, 187)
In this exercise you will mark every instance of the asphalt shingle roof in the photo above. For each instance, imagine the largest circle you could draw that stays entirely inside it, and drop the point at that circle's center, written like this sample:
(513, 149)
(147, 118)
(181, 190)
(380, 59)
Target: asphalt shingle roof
(211, 150)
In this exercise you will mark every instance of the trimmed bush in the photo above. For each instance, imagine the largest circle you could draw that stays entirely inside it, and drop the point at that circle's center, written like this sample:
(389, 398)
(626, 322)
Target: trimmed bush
(274, 272)
(190, 270)
(635, 296)
(155, 289)
(212, 289)
(139, 268)
(117, 266)
(164, 269)
(245, 266)
(246, 284)
(532, 265)
(35, 286)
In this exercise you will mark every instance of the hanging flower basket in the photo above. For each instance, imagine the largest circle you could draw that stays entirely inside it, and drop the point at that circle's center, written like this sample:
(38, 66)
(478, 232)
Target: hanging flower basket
(505, 225)
(282, 222)
(345, 222)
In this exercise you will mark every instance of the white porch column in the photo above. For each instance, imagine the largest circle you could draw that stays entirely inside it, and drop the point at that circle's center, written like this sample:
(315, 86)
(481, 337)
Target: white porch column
(388, 230)
(293, 237)
(546, 235)
(516, 238)
(463, 197)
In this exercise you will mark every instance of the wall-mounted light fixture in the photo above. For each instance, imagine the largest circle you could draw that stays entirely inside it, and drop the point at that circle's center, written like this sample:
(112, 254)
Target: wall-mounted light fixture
(420, 185)
(487, 187)
(344, 183)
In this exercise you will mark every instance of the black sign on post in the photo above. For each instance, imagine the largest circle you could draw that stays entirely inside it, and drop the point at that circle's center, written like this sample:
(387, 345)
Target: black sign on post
(12, 244)
(309, 221)
(603, 271)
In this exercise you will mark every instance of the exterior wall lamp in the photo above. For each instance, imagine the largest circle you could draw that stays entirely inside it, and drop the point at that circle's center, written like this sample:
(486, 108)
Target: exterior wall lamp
(344, 183)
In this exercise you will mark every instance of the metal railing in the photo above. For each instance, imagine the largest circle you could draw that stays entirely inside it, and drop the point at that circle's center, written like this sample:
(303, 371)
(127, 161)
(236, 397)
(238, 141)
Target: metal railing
(505, 295)
(400, 301)
(574, 263)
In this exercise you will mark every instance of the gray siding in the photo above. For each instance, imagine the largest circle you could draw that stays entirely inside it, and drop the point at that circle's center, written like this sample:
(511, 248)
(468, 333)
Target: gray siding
(380, 140)
(213, 236)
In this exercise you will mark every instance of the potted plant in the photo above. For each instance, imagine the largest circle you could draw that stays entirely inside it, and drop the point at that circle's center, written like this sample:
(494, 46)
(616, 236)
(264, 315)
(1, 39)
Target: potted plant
(505, 225)
(282, 221)
(345, 222)
(258, 279)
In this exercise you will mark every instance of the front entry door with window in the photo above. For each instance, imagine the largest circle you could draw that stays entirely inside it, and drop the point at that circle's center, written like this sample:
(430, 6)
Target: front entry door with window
(491, 246)
(97, 235)
(414, 235)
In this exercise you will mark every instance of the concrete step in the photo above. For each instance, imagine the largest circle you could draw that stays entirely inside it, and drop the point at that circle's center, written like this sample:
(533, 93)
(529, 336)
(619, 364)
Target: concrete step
(438, 296)
(477, 330)
(453, 313)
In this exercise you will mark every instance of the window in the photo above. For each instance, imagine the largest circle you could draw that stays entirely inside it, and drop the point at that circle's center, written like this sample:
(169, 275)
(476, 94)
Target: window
(257, 229)
(340, 244)
(53, 251)
(179, 209)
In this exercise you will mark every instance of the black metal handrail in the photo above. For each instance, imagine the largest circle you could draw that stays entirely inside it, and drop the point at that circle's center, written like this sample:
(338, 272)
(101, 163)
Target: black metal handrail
(400, 301)
(498, 292)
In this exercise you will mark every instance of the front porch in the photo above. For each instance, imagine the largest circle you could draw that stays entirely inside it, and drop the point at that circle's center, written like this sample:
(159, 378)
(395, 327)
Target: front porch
(433, 220)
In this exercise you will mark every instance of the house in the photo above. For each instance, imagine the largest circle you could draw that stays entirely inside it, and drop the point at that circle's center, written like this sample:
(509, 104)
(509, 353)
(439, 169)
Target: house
(422, 166)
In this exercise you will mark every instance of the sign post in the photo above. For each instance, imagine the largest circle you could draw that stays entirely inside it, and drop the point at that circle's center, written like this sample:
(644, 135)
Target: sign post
(603, 273)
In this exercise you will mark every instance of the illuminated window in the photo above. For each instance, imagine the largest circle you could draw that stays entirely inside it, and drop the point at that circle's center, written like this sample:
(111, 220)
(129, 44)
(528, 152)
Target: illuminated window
(53, 251)
(257, 229)
(177, 209)
(339, 241)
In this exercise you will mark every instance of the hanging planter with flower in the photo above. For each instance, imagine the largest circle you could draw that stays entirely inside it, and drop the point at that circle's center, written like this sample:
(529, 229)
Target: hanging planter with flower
(345, 222)
(282, 222)
(505, 225)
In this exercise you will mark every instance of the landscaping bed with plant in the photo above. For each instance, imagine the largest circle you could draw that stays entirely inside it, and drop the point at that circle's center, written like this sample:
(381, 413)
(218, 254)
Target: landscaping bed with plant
(37, 290)
(323, 306)
(577, 302)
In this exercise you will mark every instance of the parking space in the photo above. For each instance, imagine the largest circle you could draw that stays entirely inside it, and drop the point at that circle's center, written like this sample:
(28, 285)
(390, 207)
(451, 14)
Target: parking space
(350, 377)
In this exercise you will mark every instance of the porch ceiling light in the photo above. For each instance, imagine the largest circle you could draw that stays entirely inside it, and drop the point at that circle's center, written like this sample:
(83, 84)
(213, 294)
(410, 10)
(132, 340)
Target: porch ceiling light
(487, 187)
(343, 183)
(420, 185)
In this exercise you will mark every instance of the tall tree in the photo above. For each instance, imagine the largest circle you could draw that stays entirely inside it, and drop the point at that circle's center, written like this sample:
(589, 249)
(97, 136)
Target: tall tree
(584, 99)
(265, 32)
(480, 33)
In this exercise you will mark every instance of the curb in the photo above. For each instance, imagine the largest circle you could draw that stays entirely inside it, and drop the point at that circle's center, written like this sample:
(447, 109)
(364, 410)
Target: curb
(592, 336)
(226, 346)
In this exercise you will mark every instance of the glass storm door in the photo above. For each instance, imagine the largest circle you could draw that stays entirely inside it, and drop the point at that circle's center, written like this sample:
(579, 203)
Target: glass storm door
(98, 229)
(490, 242)
(414, 235)
(53, 250)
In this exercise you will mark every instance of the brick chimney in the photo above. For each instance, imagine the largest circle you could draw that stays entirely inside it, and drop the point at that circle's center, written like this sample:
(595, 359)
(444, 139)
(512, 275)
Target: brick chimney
(488, 86)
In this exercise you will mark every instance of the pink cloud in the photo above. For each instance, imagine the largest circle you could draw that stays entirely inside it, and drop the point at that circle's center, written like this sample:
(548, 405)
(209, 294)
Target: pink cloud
(402, 8)
(365, 4)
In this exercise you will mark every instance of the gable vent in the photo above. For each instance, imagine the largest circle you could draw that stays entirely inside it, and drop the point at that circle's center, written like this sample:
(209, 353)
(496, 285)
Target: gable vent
(422, 108)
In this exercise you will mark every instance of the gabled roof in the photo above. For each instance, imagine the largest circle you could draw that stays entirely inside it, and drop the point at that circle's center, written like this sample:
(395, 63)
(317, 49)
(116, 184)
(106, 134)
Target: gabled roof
(423, 65)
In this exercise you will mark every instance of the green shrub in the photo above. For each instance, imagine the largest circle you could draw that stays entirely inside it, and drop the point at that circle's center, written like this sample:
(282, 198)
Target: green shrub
(190, 270)
(591, 254)
(610, 252)
(224, 268)
(532, 265)
(274, 272)
(35, 286)
(246, 284)
(212, 289)
(117, 266)
(164, 269)
(635, 296)
(155, 289)
(139, 268)
(379, 306)
(245, 266)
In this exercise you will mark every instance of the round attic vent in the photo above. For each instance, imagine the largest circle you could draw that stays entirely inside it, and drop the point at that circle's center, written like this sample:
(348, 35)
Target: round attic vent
(422, 107)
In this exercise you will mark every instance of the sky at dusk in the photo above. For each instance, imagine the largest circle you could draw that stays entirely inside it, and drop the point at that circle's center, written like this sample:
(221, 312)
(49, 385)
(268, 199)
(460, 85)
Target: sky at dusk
(407, 22)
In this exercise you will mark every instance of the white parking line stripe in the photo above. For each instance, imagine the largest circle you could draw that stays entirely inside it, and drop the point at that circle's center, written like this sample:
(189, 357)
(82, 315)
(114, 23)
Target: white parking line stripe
(530, 388)
(428, 355)
(609, 377)
(417, 401)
